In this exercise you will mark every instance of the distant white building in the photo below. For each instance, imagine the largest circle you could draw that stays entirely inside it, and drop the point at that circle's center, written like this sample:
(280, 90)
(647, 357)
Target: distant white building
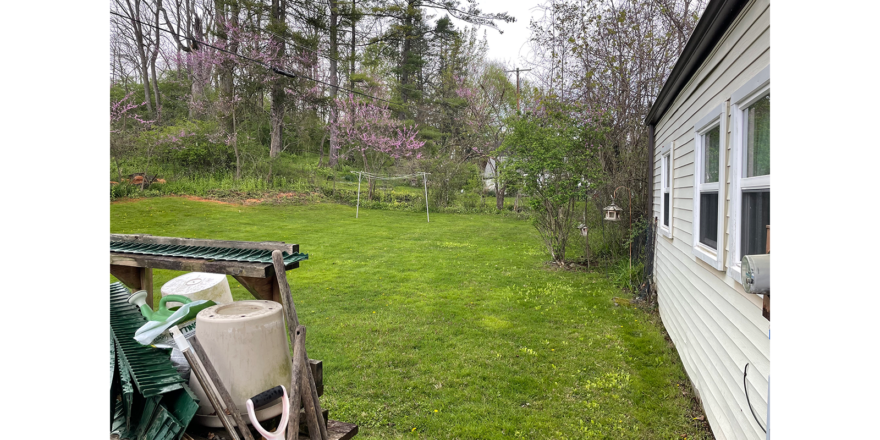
(490, 172)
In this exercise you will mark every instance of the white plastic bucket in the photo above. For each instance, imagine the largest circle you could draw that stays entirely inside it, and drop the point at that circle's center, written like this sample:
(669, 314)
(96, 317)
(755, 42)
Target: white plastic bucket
(199, 285)
(246, 342)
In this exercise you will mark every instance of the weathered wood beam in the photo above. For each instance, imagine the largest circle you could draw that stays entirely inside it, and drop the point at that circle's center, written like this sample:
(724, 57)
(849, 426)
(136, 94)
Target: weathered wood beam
(295, 394)
(178, 241)
(146, 276)
(260, 288)
(283, 292)
(311, 405)
(254, 270)
(317, 368)
(130, 276)
(337, 430)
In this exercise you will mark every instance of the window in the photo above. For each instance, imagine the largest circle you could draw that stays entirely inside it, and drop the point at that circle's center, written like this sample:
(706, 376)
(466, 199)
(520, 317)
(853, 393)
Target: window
(666, 200)
(751, 184)
(710, 148)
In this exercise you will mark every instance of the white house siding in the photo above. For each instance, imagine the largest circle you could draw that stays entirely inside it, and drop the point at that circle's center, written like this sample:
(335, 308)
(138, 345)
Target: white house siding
(716, 327)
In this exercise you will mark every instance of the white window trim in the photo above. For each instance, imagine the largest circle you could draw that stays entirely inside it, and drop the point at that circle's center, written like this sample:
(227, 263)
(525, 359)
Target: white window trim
(748, 94)
(666, 152)
(715, 118)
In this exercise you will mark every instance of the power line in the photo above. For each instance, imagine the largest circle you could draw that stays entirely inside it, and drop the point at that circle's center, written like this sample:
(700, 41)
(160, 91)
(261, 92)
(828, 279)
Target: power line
(267, 66)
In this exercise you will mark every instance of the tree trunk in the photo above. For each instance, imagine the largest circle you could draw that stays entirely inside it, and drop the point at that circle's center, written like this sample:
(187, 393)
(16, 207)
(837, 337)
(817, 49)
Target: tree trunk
(227, 67)
(118, 170)
(334, 82)
(278, 96)
(199, 75)
(353, 47)
(321, 147)
(235, 147)
(499, 195)
(405, 53)
(146, 168)
(155, 56)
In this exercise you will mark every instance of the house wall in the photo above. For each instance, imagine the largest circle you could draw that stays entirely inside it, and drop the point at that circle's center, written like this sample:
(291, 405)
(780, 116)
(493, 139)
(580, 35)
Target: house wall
(716, 327)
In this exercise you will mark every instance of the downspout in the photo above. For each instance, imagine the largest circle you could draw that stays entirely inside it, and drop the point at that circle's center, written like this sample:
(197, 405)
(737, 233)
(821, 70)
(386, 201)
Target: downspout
(650, 198)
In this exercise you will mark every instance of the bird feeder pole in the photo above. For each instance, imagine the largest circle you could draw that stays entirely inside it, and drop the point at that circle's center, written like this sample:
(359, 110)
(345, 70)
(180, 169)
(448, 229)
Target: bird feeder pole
(630, 224)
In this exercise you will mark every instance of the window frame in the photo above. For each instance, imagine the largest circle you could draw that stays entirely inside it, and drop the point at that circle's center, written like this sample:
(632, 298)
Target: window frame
(753, 90)
(666, 169)
(717, 117)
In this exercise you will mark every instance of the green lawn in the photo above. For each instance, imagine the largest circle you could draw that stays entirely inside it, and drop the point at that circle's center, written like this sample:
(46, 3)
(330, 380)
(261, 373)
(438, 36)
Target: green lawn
(454, 328)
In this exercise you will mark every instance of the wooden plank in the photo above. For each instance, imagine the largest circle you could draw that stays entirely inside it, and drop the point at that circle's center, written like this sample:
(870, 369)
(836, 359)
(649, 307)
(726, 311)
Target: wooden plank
(310, 391)
(295, 393)
(221, 389)
(179, 241)
(303, 431)
(283, 292)
(337, 430)
(235, 268)
(317, 368)
(146, 276)
(130, 276)
(260, 288)
(309, 406)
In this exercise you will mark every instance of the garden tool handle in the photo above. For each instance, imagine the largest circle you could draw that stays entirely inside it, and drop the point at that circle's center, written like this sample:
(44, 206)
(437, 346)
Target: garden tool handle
(267, 396)
(178, 298)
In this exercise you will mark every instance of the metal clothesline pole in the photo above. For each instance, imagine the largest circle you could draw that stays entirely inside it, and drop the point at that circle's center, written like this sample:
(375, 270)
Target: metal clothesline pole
(358, 209)
(425, 177)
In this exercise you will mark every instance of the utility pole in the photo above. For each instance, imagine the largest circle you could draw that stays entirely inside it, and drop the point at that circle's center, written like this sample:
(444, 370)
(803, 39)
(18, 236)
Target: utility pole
(517, 70)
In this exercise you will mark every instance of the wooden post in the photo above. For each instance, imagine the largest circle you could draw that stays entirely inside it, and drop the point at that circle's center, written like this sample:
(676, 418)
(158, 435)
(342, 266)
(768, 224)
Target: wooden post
(295, 395)
(284, 293)
(310, 401)
(309, 391)
(765, 309)
(146, 276)
(218, 383)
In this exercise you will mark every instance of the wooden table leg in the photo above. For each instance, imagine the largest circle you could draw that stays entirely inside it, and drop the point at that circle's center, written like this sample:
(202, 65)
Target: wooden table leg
(146, 277)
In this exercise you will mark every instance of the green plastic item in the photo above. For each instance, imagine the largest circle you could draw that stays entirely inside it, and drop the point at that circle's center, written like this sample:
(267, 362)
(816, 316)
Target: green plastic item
(139, 299)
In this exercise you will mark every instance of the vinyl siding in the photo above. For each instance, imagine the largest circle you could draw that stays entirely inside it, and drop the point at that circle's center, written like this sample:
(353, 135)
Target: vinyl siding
(716, 327)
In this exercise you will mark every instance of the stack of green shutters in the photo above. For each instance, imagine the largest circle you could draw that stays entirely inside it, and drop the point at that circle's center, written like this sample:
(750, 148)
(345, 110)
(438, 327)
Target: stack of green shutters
(149, 398)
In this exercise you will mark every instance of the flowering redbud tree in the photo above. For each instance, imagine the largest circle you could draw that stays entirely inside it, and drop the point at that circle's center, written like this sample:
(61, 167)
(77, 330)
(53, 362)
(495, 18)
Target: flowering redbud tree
(369, 132)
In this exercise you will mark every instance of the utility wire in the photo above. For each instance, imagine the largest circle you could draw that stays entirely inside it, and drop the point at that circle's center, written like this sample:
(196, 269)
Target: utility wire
(746, 389)
(272, 68)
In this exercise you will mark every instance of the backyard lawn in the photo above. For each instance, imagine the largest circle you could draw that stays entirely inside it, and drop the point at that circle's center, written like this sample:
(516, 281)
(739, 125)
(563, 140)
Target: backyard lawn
(454, 328)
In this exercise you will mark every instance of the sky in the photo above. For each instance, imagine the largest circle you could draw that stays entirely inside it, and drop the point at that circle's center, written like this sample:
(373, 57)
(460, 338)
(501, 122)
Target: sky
(511, 47)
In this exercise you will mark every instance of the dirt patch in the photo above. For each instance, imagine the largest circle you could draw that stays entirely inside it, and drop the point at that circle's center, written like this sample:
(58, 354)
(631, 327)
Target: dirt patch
(200, 199)
(236, 199)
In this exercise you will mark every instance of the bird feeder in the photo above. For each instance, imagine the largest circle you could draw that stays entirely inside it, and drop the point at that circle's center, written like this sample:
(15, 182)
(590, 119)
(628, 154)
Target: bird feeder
(583, 228)
(612, 213)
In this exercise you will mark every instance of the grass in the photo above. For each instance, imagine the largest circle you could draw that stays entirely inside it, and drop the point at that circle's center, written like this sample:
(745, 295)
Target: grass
(455, 328)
